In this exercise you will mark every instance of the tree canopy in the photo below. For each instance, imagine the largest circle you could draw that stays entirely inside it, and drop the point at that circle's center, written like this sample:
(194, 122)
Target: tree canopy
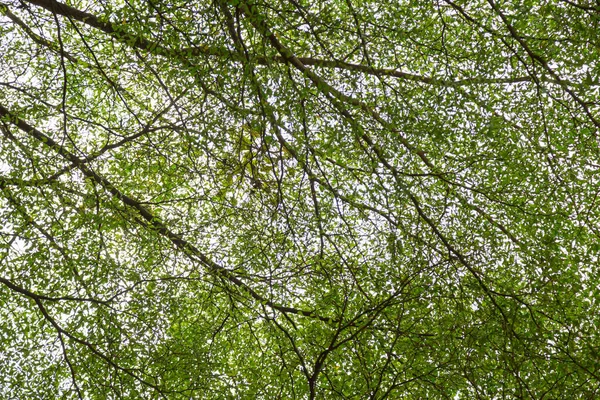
(299, 199)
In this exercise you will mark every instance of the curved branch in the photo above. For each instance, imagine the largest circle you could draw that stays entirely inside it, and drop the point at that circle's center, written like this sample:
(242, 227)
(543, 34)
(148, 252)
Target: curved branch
(120, 33)
(152, 221)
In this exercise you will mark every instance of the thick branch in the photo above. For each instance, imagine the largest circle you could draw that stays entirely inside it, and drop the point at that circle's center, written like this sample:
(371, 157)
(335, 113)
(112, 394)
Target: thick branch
(151, 220)
(120, 33)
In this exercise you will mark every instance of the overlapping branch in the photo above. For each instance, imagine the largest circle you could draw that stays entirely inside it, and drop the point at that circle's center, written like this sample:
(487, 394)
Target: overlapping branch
(121, 33)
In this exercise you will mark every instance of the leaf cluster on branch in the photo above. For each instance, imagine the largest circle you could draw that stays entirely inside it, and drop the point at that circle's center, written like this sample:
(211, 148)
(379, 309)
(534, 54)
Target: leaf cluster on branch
(294, 199)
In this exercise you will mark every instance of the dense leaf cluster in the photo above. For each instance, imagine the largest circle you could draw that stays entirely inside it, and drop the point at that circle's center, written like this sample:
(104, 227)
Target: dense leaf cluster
(299, 199)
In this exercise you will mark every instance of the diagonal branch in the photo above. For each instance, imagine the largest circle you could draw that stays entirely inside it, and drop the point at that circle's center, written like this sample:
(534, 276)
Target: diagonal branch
(152, 221)
(337, 98)
(120, 33)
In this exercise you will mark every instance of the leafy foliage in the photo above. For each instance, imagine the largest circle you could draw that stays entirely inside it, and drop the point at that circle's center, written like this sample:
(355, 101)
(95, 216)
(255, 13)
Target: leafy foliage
(294, 199)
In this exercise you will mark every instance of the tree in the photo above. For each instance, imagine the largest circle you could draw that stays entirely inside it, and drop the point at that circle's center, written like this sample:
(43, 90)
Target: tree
(296, 199)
